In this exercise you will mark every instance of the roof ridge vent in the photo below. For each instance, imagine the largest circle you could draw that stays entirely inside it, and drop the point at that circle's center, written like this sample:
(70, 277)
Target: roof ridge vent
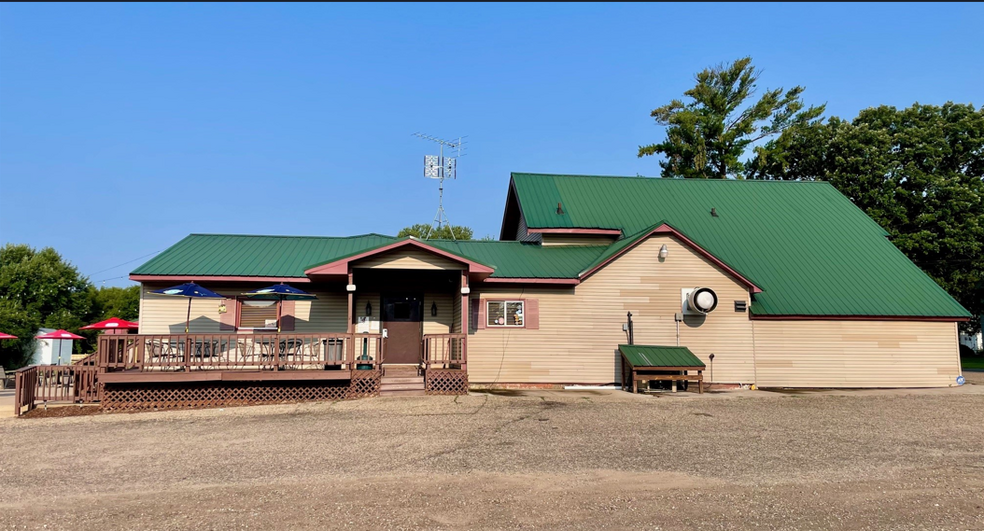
(560, 208)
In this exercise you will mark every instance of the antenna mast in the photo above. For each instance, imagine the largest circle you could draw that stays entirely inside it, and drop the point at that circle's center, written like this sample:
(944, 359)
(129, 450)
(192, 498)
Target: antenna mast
(440, 167)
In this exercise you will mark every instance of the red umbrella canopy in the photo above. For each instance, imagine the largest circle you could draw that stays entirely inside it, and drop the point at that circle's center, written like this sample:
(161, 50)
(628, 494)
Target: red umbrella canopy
(59, 334)
(7, 336)
(111, 323)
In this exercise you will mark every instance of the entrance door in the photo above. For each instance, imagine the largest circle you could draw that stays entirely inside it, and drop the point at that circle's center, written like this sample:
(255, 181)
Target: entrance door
(403, 319)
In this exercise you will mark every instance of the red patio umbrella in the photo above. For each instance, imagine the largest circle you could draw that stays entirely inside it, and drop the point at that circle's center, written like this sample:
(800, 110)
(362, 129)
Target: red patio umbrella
(59, 334)
(7, 336)
(112, 323)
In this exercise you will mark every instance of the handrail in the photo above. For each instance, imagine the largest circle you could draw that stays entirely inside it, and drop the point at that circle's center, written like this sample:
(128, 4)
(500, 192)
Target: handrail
(89, 359)
(231, 351)
(444, 351)
(54, 383)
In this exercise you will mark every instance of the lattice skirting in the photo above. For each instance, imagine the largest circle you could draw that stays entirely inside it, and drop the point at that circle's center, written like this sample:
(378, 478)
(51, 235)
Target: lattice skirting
(446, 382)
(365, 384)
(120, 397)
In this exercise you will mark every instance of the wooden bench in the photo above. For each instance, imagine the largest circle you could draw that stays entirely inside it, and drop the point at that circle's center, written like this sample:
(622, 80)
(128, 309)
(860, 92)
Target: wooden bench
(645, 376)
(661, 363)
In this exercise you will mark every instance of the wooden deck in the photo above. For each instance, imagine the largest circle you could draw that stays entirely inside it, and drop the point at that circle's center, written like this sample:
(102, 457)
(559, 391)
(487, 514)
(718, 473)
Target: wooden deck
(133, 376)
(154, 371)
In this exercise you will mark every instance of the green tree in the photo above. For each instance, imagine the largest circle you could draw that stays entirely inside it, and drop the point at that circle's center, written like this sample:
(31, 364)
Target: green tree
(918, 172)
(38, 289)
(117, 302)
(422, 231)
(707, 136)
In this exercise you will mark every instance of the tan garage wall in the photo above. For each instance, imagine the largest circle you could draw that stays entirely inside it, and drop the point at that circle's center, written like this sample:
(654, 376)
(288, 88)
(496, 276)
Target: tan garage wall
(580, 327)
(856, 353)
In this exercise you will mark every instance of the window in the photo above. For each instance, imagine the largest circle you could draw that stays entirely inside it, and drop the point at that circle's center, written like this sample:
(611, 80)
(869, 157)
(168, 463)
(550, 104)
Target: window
(505, 313)
(258, 314)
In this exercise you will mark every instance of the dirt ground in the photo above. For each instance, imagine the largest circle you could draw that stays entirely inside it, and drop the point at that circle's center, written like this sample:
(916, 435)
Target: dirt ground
(513, 460)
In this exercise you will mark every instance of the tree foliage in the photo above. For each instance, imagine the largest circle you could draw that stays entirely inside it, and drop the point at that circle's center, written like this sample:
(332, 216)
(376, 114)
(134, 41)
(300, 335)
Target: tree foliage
(117, 302)
(423, 231)
(707, 136)
(918, 172)
(39, 289)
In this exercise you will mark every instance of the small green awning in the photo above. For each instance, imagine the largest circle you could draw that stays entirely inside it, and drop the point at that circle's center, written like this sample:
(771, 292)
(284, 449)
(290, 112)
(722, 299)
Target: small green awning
(659, 356)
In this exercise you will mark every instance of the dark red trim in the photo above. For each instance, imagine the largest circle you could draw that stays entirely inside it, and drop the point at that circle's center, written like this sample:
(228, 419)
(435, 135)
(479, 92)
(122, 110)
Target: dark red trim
(340, 267)
(666, 229)
(214, 278)
(593, 232)
(517, 280)
(856, 318)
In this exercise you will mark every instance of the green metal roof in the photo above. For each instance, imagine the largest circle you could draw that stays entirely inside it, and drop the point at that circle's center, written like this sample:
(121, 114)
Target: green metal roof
(524, 260)
(287, 256)
(806, 245)
(810, 249)
(659, 356)
(254, 256)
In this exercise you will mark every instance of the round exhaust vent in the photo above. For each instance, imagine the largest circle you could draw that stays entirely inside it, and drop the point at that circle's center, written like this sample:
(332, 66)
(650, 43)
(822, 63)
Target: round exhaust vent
(702, 300)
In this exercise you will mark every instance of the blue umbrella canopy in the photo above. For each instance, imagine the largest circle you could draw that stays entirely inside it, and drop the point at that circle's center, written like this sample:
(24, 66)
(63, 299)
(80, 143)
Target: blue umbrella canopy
(191, 291)
(281, 292)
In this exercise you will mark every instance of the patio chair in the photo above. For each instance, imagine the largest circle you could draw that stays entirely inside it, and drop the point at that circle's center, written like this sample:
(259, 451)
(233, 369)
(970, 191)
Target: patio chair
(4, 376)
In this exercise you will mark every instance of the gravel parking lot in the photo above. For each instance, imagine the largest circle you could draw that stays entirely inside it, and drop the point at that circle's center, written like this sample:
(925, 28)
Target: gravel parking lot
(512, 460)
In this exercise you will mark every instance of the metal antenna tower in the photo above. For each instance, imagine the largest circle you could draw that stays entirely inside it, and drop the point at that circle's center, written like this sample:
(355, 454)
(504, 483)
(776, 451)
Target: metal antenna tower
(440, 167)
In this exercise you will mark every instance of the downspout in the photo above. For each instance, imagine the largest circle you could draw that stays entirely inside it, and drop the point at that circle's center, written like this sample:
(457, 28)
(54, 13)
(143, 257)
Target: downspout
(631, 332)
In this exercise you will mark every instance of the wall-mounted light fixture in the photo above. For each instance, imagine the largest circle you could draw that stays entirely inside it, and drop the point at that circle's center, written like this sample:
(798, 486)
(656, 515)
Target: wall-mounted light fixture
(368, 308)
(663, 251)
(433, 309)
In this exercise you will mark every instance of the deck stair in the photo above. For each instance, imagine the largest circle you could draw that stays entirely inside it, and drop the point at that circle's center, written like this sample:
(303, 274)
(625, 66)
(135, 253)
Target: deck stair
(401, 380)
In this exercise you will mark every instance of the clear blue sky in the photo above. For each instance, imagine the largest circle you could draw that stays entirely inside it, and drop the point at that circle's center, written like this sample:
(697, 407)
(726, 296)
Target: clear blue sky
(125, 127)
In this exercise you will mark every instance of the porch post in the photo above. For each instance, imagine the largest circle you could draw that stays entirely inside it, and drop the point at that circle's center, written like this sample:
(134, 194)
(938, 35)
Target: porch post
(350, 326)
(464, 319)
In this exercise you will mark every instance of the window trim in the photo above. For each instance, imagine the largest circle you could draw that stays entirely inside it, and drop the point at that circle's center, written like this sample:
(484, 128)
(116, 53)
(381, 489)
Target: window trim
(504, 303)
(239, 316)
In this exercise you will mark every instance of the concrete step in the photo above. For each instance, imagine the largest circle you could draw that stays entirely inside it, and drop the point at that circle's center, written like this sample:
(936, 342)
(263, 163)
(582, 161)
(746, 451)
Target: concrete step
(402, 392)
(401, 380)
(401, 386)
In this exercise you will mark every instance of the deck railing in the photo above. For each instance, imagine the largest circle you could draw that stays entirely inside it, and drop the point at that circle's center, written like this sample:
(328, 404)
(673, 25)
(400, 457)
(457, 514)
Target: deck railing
(444, 351)
(55, 383)
(188, 352)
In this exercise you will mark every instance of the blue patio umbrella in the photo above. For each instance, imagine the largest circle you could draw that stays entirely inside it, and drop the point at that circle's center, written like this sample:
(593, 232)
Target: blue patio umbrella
(280, 293)
(191, 291)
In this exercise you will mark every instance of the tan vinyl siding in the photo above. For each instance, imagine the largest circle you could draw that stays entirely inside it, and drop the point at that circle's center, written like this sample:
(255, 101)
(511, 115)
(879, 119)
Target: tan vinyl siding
(581, 326)
(160, 314)
(361, 298)
(856, 353)
(408, 258)
(324, 314)
(577, 239)
(444, 321)
(456, 310)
